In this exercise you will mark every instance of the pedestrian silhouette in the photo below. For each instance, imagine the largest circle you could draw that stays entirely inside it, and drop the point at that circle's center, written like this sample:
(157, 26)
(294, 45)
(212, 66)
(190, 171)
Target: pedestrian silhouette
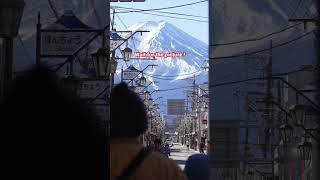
(49, 134)
(129, 159)
(197, 167)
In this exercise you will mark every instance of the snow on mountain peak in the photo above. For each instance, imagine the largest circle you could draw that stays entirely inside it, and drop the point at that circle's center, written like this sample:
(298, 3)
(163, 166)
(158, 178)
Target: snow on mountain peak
(154, 29)
(164, 37)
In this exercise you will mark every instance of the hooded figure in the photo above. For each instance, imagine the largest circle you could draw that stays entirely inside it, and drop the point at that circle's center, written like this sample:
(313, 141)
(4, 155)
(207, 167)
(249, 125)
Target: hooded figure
(46, 133)
(197, 167)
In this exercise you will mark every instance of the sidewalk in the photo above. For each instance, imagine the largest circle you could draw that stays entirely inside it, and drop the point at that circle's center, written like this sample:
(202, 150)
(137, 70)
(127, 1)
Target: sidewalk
(180, 154)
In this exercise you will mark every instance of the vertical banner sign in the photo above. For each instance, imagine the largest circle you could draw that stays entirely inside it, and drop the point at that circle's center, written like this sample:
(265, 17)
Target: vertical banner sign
(91, 88)
(95, 91)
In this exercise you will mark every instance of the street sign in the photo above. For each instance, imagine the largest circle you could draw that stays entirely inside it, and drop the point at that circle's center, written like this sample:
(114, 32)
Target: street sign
(58, 40)
(139, 89)
(130, 73)
(176, 106)
(91, 88)
(115, 43)
(142, 96)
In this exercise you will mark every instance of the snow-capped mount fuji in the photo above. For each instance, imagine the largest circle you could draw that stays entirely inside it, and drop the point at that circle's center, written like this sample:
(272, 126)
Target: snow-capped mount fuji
(164, 37)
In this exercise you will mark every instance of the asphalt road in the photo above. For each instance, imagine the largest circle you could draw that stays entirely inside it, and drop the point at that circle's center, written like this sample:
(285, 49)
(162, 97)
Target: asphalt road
(180, 154)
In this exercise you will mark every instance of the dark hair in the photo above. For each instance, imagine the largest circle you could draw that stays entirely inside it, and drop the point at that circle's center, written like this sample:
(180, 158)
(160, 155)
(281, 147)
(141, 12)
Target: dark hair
(128, 116)
(158, 141)
(47, 134)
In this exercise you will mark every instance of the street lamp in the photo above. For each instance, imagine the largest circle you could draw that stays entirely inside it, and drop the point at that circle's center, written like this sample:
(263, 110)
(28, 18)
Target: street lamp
(126, 53)
(305, 150)
(150, 102)
(10, 16)
(286, 132)
(101, 62)
(298, 113)
(142, 80)
(146, 95)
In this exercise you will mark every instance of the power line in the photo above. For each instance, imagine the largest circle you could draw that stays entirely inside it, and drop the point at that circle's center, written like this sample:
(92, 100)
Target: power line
(259, 38)
(96, 13)
(267, 49)
(265, 36)
(296, 9)
(196, 20)
(134, 45)
(174, 75)
(25, 49)
(165, 12)
(172, 79)
(258, 78)
(55, 13)
(171, 7)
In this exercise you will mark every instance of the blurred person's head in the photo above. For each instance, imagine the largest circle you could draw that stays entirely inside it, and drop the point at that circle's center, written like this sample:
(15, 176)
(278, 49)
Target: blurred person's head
(46, 134)
(158, 144)
(128, 116)
(197, 167)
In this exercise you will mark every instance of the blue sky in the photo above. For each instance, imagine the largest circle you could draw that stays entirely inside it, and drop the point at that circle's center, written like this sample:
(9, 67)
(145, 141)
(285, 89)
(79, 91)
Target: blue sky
(198, 30)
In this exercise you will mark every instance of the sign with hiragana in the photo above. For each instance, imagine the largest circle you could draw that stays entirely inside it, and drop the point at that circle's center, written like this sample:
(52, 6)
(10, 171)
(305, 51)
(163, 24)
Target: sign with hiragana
(92, 88)
(63, 43)
(115, 43)
(130, 73)
(139, 89)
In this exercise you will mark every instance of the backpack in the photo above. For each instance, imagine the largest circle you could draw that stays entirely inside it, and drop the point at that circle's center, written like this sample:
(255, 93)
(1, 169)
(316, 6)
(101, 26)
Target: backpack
(134, 164)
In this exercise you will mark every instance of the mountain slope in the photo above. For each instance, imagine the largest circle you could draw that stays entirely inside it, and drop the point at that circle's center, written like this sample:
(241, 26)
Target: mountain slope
(169, 72)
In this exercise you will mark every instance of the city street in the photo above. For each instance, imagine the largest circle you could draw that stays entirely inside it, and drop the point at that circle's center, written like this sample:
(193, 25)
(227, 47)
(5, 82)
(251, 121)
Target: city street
(180, 154)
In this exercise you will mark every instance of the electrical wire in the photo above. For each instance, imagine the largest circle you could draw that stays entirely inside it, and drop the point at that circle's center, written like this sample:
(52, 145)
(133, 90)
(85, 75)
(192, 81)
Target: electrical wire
(267, 49)
(296, 9)
(53, 9)
(259, 38)
(25, 49)
(257, 78)
(171, 7)
(268, 35)
(196, 20)
(93, 4)
(165, 12)
(175, 75)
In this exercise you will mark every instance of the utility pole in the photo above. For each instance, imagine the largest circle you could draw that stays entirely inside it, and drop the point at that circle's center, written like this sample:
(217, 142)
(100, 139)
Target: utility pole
(270, 108)
(194, 117)
(316, 151)
(113, 53)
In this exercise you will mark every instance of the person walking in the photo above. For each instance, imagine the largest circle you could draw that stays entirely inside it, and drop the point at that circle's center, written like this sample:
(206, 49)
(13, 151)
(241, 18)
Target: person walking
(201, 149)
(129, 159)
(188, 145)
(158, 147)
